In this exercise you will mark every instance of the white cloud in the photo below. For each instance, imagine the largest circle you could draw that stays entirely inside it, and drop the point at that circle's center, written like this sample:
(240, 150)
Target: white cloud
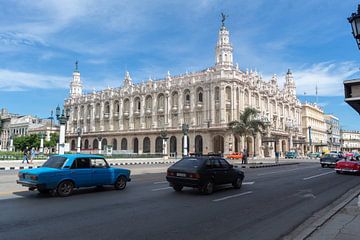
(22, 81)
(328, 76)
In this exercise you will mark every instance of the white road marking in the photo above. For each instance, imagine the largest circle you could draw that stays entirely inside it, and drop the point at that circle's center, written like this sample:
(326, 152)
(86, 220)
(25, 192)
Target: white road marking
(290, 170)
(162, 182)
(319, 175)
(232, 196)
(248, 183)
(159, 189)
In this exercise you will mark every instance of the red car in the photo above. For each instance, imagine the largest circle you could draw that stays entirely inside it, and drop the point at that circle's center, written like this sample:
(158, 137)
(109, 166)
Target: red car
(348, 166)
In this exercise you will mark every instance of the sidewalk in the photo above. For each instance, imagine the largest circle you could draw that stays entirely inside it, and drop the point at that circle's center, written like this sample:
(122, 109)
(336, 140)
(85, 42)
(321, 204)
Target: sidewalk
(344, 225)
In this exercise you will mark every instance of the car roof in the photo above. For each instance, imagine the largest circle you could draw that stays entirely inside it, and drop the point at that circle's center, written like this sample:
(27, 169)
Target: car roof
(79, 155)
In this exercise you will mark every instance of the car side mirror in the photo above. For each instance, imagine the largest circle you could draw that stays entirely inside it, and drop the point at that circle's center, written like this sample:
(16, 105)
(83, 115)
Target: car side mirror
(231, 166)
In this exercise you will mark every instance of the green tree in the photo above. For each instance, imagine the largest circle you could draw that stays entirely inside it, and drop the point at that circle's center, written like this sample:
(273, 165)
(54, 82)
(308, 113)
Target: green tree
(248, 125)
(21, 142)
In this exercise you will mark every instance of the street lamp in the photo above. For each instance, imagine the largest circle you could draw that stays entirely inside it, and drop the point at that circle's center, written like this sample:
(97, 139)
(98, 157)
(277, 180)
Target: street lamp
(354, 20)
(164, 137)
(62, 120)
(41, 135)
(185, 130)
(79, 131)
(99, 138)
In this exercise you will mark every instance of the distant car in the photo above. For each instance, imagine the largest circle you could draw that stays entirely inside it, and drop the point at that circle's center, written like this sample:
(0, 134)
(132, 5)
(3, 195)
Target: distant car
(204, 173)
(291, 155)
(348, 166)
(314, 155)
(330, 159)
(235, 155)
(63, 173)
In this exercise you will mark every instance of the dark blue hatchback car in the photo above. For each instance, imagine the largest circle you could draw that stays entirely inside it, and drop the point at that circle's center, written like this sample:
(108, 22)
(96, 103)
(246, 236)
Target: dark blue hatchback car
(63, 173)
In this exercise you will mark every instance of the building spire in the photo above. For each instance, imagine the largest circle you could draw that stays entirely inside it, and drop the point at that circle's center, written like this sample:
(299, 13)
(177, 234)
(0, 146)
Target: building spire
(75, 84)
(224, 50)
(76, 66)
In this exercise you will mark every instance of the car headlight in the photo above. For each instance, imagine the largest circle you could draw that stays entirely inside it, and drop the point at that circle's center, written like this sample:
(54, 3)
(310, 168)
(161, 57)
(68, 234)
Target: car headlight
(34, 177)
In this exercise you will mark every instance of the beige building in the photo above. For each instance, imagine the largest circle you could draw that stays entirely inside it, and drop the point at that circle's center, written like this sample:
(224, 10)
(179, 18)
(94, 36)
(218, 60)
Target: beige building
(314, 128)
(130, 118)
(350, 141)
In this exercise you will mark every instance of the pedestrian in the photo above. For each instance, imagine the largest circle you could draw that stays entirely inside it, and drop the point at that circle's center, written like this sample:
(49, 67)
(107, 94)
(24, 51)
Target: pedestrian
(25, 158)
(277, 154)
(32, 155)
(244, 157)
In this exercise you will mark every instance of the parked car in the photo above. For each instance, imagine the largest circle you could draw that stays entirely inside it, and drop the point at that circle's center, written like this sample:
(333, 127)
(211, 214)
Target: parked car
(235, 155)
(314, 155)
(330, 159)
(63, 173)
(291, 154)
(348, 166)
(204, 173)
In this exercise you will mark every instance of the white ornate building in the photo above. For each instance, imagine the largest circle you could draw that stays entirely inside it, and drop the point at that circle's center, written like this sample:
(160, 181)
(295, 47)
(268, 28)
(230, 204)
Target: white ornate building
(131, 117)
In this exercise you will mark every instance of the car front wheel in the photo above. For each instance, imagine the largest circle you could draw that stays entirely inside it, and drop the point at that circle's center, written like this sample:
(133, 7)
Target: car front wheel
(178, 188)
(120, 183)
(237, 183)
(65, 188)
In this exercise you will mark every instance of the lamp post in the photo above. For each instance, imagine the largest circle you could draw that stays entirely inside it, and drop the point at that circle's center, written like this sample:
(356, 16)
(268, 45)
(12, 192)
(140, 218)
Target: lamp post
(354, 20)
(79, 131)
(310, 141)
(164, 137)
(62, 120)
(185, 130)
(99, 138)
(41, 135)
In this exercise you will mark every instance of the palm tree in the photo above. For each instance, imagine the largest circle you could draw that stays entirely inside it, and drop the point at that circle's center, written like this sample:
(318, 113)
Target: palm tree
(248, 125)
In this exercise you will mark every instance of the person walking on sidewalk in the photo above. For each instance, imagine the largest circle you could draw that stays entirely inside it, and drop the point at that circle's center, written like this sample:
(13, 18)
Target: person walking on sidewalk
(25, 158)
(32, 154)
(244, 157)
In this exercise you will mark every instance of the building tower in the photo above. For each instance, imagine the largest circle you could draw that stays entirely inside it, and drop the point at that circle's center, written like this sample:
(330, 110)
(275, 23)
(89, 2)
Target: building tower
(289, 85)
(127, 79)
(224, 50)
(75, 84)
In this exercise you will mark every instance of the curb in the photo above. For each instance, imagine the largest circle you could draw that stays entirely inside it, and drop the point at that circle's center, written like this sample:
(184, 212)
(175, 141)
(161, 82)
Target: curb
(318, 219)
(111, 164)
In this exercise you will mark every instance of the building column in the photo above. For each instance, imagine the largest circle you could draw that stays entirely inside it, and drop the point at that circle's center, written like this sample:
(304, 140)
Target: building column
(222, 105)
(155, 112)
(111, 116)
(102, 124)
(121, 114)
(167, 112)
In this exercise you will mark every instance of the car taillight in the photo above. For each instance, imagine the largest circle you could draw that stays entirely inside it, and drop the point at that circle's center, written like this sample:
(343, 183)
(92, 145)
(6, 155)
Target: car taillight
(194, 175)
(170, 173)
(34, 177)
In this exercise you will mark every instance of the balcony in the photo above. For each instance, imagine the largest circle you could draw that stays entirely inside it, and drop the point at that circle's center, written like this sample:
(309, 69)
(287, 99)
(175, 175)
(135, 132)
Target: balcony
(106, 115)
(137, 112)
(126, 113)
(160, 110)
(148, 111)
(199, 104)
(174, 108)
(228, 103)
(116, 115)
(186, 107)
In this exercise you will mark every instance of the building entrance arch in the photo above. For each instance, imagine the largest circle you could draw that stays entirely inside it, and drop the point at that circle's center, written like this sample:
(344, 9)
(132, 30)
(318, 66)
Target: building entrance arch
(199, 144)
(218, 145)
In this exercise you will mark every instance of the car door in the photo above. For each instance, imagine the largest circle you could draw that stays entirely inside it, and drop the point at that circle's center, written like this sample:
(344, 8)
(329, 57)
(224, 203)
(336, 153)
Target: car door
(81, 172)
(220, 173)
(229, 172)
(102, 173)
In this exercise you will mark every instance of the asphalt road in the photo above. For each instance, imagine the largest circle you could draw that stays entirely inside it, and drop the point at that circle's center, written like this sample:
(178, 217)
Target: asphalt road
(271, 203)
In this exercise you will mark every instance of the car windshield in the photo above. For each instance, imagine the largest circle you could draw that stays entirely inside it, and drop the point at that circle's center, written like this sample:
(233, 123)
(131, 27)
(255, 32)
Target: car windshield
(189, 163)
(330, 155)
(55, 162)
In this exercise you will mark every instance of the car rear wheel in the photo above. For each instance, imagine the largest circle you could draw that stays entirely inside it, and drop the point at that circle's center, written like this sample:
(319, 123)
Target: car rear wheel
(120, 183)
(237, 183)
(322, 165)
(338, 172)
(65, 188)
(207, 188)
(178, 188)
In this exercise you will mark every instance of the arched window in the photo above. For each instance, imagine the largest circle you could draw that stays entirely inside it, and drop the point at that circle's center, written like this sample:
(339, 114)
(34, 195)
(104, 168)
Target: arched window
(116, 107)
(173, 146)
(86, 144)
(146, 145)
(107, 108)
(174, 99)
(73, 146)
(104, 143)
(124, 144)
(161, 101)
(158, 145)
(95, 144)
(198, 144)
(114, 144)
(148, 103)
(228, 93)
(136, 145)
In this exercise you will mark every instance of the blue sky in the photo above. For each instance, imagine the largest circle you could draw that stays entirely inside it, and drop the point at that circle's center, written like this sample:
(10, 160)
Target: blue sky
(41, 40)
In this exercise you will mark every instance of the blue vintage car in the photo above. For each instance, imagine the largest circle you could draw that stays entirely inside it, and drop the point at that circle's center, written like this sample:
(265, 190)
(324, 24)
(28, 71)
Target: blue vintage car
(62, 173)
